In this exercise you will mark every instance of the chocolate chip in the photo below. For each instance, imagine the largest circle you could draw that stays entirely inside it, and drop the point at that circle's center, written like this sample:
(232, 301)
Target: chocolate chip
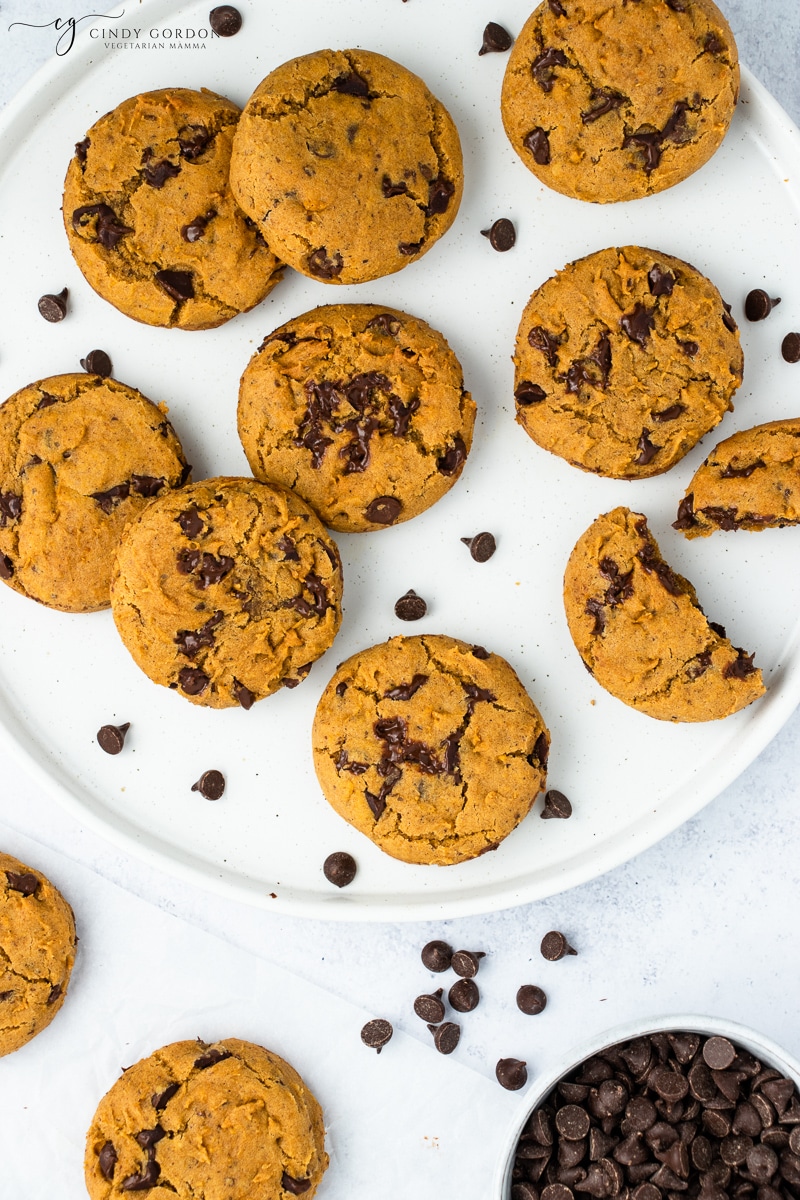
(177, 284)
(464, 995)
(538, 143)
(529, 393)
(97, 362)
(482, 546)
(466, 962)
(572, 1122)
(790, 347)
(376, 1034)
(107, 1160)
(531, 999)
(211, 784)
(511, 1073)
(23, 882)
(430, 1008)
(225, 20)
(54, 307)
(445, 1036)
(383, 510)
(339, 868)
(555, 946)
(436, 956)
(111, 738)
(718, 1053)
(495, 39)
(501, 234)
(295, 1187)
(324, 266)
(759, 304)
(410, 607)
(556, 805)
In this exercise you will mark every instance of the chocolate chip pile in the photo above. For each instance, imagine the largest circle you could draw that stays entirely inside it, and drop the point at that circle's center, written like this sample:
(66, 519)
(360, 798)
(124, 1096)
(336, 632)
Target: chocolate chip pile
(670, 1116)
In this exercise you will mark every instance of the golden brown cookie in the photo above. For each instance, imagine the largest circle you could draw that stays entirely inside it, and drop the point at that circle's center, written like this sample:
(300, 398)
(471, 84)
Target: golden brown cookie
(624, 360)
(80, 456)
(227, 591)
(749, 481)
(37, 950)
(610, 100)
(640, 630)
(359, 409)
(431, 747)
(227, 1121)
(347, 164)
(150, 216)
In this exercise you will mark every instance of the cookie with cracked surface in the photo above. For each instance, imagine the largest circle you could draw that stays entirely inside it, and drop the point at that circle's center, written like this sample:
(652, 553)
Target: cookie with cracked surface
(606, 100)
(430, 747)
(359, 409)
(749, 481)
(640, 630)
(150, 216)
(350, 167)
(191, 1120)
(227, 591)
(80, 456)
(624, 360)
(37, 950)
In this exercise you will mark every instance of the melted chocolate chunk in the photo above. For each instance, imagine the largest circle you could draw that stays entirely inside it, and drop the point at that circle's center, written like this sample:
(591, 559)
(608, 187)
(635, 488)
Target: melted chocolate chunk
(23, 881)
(243, 696)
(741, 472)
(593, 370)
(193, 681)
(540, 339)
(295, 1187)
(649, 559)
(177, 284)
(196, 228)
(741, 667)
(699, 665)
(323, 266)
(191, 641)
(541, 751)
(596, 609)
(453, 459)
(669, 414)
(10, 508)
(383, 510)
(157, 173)
(319, 603)
(544, 65)
(108, 227)
(401, 414)
(496, 39)
(390, 189)
(53, 994)
(723, 518)
(107, 1157)
(556, 8)
(150, 1137)
(647, 450)
(404, 691)
(661, 283)
(713, 44)
(727, 318)
(688, 347)
(192, 140)
(351, 85)
(621, 586)
(410, 247)
(538, 142)
(208, 569)
(439, 192)
(604, 101)
(211, 1058)
(81, 150)
(147, 485)
(160, 1100)
(47, 400)
(288, 549)
(529, 393)
(385, 323)
(686, 518)
(638, 324)
(6, 567)
(109, 498)
(342, 764)
(191, 522)
(650, 142)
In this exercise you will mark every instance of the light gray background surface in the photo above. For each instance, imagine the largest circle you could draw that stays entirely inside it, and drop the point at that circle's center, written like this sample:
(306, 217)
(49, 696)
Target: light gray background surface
(706, 921)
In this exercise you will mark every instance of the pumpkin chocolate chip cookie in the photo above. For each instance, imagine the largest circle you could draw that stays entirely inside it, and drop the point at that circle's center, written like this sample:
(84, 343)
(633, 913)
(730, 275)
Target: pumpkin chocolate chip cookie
(150, 217)
(228, 1119)
(80, 456)
(640, 630)
(624, 360)
(430, 747)
(359, 409)
(608, 100)
(37, 950)
(347, 164)
(749, 481)
(227, 591)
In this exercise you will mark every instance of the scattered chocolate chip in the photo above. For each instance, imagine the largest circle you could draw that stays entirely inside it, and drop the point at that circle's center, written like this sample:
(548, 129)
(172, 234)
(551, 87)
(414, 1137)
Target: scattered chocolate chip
(531, 999)
(376, 1034)
(211, 784)
(23, 882)
(107, 1160)
(324, 266)
(111, 738)
(466, 962)
(339, 868)
(538, 142)
(445, 1036)
(556, 805)
(97, 362)
(437, 956)
(295, 1187)
(511, 1073)
(495, 39)
(430, 1008)
(790, 347)
(529, 393)
(482, 546)
(177, 284)
(555, 946)
(383, 510)
(410, 607)
(501, 234)
(464, 995)
(54, 307)
(225, 20)
(759, 304)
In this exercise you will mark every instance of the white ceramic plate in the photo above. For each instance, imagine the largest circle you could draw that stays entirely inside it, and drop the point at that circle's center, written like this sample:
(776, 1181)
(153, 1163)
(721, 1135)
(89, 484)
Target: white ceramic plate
(631, 779)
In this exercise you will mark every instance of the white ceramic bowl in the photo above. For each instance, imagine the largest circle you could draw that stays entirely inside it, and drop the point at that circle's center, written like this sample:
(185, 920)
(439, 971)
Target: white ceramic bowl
(761, 1047)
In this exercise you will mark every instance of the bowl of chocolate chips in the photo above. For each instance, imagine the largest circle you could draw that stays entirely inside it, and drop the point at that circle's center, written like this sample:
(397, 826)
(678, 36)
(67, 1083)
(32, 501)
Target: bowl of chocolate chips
(678, 1108)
